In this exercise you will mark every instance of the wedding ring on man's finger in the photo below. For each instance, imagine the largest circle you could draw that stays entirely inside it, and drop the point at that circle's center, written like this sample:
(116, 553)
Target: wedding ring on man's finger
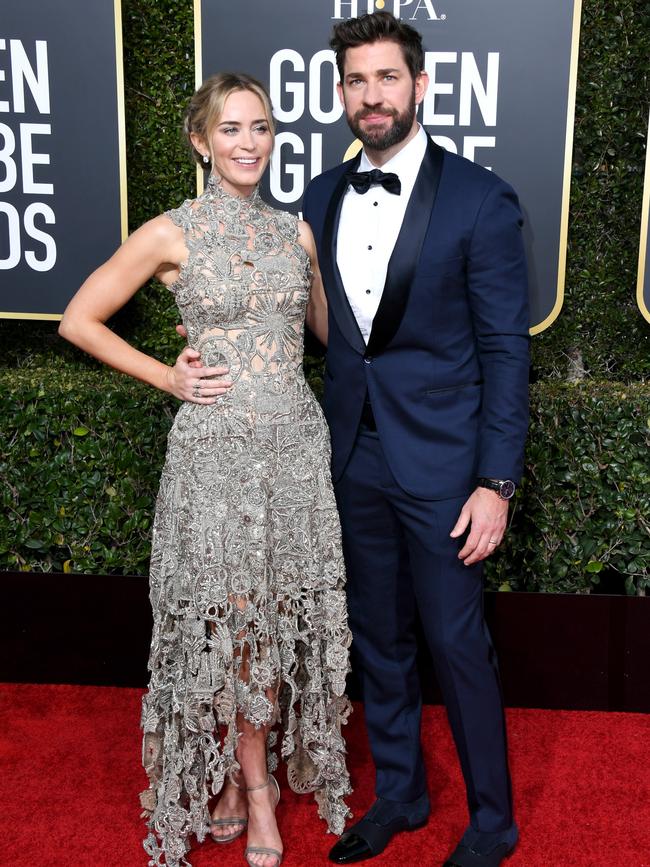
(196, 391)
(493, 542)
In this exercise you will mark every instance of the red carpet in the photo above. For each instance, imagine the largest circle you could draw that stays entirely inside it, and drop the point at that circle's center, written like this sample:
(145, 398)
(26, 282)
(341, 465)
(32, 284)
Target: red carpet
(71, 777)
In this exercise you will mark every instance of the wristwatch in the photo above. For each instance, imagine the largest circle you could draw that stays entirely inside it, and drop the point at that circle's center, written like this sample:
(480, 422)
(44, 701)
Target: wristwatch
(505, 488)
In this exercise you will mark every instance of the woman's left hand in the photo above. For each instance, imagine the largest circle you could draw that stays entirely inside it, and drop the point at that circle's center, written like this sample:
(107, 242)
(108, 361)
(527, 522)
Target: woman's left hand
(195, 384)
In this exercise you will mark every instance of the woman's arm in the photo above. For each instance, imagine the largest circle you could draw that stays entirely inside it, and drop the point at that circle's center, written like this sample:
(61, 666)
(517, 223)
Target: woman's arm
(156, 249)
(316, 317)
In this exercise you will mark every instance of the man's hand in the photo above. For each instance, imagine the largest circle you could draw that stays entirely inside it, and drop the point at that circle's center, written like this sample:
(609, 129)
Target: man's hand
(181, 330)
(487, 514)
(187, 379)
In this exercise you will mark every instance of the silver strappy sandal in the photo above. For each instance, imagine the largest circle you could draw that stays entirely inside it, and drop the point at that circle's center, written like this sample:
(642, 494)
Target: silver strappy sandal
(228, 820)
(263, 850)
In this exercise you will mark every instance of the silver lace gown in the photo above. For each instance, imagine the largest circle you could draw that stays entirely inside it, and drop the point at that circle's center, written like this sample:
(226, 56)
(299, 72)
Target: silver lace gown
(247, 577)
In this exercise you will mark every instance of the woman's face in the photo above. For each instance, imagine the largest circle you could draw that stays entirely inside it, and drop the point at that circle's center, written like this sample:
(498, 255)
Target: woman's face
(241, 143)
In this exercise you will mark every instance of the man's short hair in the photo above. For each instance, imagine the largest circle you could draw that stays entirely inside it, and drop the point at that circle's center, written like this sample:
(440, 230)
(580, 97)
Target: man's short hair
(373, 27)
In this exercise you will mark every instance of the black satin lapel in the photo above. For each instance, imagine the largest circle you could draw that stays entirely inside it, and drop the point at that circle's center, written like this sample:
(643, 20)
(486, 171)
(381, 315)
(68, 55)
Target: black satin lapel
(336, 297)
(406, 252)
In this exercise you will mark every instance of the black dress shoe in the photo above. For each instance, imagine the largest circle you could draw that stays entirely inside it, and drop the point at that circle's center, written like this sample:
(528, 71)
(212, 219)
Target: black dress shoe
(367, 838)
(463, 856)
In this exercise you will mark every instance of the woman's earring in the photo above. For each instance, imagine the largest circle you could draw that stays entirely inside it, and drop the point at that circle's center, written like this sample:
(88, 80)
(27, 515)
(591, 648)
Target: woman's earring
(206, 158)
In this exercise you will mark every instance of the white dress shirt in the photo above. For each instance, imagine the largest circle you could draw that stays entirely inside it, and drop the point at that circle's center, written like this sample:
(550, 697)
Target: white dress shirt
(368, 228)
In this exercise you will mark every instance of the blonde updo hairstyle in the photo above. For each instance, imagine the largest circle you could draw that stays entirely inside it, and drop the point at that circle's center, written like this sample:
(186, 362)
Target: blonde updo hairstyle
(205, 108)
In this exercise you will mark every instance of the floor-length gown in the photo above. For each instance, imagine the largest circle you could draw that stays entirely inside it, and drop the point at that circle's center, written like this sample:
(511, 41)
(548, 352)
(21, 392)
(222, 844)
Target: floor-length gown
(247, 576)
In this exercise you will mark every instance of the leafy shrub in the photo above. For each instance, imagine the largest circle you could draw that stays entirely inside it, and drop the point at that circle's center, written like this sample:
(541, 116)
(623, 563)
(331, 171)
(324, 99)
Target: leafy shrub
(600, 323)
(81, 456)
(583, 509)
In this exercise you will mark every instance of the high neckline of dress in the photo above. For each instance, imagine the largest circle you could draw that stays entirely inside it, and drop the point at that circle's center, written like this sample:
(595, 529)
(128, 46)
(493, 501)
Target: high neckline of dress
(214, 189)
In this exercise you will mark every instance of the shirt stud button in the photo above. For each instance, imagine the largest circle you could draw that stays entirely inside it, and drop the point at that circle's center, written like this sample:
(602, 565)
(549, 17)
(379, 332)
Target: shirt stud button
(370, 246)
(367, 291)
(375, 204)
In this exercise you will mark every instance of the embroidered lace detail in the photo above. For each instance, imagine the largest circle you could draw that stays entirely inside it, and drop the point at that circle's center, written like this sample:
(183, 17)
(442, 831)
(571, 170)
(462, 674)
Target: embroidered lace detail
(247, 577)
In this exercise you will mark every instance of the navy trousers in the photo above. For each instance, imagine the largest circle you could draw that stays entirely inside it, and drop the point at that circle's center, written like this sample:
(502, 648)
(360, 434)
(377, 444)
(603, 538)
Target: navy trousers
(400, 562)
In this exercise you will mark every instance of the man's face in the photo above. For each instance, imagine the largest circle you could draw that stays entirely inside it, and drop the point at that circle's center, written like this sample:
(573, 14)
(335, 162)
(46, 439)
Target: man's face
(379, 95)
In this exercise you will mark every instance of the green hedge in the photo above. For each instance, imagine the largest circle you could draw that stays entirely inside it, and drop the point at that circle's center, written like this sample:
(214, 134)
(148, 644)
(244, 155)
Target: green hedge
(600, 325)
(81, 457)
(583, 509)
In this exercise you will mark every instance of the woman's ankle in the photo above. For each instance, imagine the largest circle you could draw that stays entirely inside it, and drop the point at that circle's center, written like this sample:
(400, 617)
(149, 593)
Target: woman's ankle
(256, 785)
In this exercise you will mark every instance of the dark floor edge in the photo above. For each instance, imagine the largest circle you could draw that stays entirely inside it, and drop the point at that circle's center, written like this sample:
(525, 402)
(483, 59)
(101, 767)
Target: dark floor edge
(555, 651)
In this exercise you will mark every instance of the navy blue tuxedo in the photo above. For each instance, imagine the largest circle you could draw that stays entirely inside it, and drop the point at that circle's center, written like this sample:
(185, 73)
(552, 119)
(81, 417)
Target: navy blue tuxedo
(446, 373)
(446, 365)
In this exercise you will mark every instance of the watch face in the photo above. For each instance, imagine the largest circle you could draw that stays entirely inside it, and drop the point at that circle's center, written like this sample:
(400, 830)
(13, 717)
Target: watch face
(507, 489)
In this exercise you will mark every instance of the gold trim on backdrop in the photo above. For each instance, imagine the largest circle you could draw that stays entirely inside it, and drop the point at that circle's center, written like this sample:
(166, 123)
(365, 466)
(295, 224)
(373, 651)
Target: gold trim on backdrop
(566, 184)
(121, 146)
(41, 316)
(643, 243)
(121, 122)
(199, 180)
(198, 75)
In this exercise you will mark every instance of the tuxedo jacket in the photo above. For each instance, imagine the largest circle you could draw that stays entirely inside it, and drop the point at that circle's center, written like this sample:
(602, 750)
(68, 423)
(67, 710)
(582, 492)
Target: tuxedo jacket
(446, 364)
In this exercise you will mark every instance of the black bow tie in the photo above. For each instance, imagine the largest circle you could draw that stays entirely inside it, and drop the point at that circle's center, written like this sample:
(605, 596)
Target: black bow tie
(362, 181)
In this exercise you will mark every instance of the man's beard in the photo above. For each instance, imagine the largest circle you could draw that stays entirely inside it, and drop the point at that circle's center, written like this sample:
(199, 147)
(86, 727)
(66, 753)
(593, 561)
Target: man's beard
(382, 139)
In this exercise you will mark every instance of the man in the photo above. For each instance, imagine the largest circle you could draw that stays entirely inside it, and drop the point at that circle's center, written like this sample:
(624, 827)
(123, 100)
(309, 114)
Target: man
(426, 398)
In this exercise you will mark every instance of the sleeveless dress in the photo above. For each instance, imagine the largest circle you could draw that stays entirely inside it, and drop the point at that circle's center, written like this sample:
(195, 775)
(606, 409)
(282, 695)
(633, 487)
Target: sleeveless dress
(247, 576)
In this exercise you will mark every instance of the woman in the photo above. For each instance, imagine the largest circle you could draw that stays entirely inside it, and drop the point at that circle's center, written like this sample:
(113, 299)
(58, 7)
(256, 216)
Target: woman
(247, 575)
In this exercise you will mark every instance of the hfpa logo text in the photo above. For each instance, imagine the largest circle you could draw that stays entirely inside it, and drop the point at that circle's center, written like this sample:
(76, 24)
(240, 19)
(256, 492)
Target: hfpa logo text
(410, 9)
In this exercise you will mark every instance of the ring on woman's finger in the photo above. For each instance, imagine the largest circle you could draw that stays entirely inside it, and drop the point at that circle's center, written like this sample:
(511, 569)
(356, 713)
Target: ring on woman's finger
(493, 542)
(196, 391)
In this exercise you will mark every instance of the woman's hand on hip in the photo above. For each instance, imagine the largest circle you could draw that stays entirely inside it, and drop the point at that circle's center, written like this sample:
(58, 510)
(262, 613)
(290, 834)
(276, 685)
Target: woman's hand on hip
(188, 380)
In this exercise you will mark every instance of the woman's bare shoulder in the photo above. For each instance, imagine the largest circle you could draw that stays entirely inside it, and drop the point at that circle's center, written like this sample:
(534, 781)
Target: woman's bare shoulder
(160, 232)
